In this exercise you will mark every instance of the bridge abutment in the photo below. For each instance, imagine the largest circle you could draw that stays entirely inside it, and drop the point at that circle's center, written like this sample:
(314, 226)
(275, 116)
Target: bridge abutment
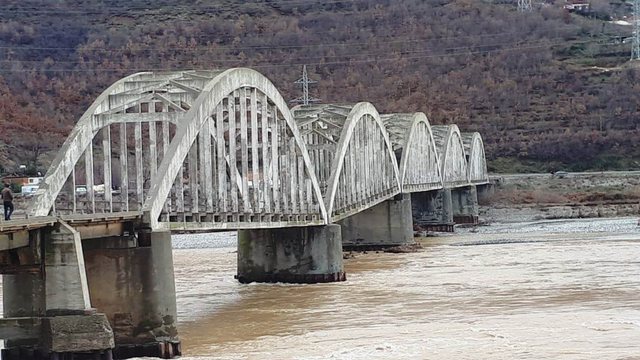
(132, 282)
(291, 255)
(465, 205)
(387, 224)
(432, 210)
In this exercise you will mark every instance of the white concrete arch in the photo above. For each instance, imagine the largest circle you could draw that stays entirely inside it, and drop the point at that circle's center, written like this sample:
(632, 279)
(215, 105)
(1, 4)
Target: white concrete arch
(243, 93)
(74, 146)
(453, 162)
(150, 106)
(365, 170)
(412, 136)
(477, 163)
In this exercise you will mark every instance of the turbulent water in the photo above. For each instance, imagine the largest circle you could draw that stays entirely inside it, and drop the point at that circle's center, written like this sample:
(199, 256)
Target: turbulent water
(542, 290)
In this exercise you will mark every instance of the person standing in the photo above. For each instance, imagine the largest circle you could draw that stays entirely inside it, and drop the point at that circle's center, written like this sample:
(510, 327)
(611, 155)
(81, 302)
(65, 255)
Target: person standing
(7, 199)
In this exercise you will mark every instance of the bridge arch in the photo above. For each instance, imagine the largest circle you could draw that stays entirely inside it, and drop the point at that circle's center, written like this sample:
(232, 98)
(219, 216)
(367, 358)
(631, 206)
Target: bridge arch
(415, 149)
(74, 146)
(361, 170)
(123, 135)
(453, 162)
(477, 163)
(263, 175)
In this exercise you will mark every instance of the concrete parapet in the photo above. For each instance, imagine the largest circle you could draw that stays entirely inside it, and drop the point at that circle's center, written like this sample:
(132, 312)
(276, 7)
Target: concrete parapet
(389, 223)
(292, 255)
(135, 288)
(432, 210)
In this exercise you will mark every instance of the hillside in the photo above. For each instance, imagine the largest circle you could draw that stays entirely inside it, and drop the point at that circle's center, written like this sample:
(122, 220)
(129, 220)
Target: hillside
(548, 90)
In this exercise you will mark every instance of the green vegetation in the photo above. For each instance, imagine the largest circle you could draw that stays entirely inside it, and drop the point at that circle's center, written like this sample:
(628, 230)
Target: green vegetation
(548, 91)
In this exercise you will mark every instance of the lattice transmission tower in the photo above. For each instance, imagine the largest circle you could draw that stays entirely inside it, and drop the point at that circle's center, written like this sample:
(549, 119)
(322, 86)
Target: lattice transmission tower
(635, 41)
(305, 81)
(524, 5)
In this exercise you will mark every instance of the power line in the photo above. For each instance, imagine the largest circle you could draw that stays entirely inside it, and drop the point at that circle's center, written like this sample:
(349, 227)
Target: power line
(347, 62)
(270, 47)
(350, 56)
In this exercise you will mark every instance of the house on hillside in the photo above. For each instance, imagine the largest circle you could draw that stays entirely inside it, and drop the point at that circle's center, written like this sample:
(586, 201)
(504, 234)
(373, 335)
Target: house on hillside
(577, 5)
(27, 185)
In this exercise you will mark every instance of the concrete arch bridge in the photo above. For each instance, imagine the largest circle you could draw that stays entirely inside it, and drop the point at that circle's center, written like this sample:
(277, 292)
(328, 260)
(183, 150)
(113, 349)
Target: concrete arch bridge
(208, 151)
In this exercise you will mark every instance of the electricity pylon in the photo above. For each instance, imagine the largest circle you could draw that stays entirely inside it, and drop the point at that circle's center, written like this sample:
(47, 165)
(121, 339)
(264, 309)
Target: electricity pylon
(524, 5)
(305, 81)
(635, 41)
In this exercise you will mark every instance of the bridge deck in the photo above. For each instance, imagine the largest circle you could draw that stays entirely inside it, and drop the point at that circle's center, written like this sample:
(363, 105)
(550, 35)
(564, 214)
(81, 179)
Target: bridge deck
(76, 219)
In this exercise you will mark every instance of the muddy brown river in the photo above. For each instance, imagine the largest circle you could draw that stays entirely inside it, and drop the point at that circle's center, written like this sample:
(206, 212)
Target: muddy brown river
(541, 290)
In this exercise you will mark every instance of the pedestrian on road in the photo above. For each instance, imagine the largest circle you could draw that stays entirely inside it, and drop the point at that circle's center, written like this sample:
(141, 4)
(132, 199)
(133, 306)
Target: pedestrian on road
(7, 199)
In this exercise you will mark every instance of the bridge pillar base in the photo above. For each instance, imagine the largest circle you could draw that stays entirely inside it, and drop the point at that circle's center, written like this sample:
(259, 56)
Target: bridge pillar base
(47, 313)
(384, 225)
(432, 210)
(291, 255)
(465, 205)
(135, 287)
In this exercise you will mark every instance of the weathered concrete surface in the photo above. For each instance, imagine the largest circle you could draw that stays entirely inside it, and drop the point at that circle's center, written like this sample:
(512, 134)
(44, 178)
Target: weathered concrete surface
(451, 155)
(135, 288)
(23, 295)
(464, 202)
(389, 223)
(484, 192)
(476, 161)
(65, 276)
(76, 333)
(432, 208)
(19, 328)
(413, 142)
(296, 255)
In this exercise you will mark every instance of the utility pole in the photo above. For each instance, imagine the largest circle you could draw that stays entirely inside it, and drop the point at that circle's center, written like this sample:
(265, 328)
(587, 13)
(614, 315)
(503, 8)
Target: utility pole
(524, 5)
(305, 81)
(635, 43)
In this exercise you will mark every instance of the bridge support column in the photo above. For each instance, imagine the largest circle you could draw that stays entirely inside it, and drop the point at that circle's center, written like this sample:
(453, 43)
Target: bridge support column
(386, 224)
(48, 314)
(291, 255)
(484, 192)
(465, 205)
(432, 210)
(133, 284)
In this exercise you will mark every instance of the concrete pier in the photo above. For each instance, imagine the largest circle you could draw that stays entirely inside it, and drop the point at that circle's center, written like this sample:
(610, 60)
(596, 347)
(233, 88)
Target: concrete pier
(133, 284)
(465, 205)
(485, 192)
(48, 313)
(432, 210)
(387, 224)
(292, 255)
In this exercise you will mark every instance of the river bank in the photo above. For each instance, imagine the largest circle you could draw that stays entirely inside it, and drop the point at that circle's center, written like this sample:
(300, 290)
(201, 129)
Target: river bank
(527, 197)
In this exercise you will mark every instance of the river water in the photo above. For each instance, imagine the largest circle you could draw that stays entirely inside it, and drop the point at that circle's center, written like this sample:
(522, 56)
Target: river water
(541, 290)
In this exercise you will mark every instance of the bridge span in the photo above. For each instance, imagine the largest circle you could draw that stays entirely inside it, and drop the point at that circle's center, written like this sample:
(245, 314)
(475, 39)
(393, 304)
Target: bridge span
(208, 151)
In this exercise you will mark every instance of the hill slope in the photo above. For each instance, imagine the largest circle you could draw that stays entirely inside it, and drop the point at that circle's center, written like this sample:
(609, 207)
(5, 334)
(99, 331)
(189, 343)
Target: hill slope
(547, 90)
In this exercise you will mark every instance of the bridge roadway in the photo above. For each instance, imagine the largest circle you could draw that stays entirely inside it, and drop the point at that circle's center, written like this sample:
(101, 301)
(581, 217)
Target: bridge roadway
(205, 151)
